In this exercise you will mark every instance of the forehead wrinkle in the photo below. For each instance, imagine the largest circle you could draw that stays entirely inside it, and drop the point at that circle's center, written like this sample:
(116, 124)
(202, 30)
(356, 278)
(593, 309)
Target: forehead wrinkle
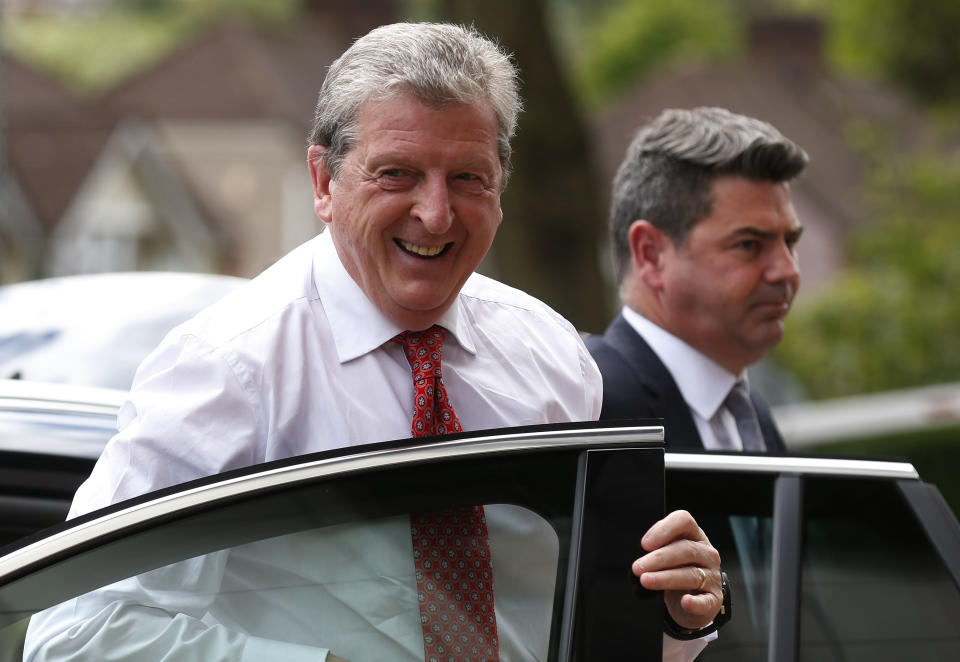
(412, 136)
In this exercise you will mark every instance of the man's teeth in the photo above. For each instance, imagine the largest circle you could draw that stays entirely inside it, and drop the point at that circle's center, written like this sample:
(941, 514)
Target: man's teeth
(425, 251)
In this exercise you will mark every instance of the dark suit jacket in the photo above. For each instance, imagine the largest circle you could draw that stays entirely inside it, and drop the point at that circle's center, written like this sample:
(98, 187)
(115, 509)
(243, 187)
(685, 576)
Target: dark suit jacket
(636, 384)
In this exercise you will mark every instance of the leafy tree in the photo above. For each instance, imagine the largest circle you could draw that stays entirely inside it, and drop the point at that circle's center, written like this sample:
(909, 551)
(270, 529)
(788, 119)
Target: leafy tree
(913, 43)
(629, 38)
(125, 37)
(553, 219)
(892, 320)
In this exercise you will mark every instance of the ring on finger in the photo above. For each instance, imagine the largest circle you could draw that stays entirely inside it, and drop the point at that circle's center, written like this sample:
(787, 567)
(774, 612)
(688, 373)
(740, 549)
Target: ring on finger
(703, 578)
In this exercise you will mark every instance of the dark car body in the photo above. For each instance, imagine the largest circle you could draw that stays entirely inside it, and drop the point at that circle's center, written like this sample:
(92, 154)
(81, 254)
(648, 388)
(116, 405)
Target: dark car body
(843, 559)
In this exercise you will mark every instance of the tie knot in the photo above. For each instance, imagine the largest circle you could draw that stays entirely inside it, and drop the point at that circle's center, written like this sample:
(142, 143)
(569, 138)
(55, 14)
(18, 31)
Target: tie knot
(423, 349)
(739, 390)
(738, 401)
(432, 411)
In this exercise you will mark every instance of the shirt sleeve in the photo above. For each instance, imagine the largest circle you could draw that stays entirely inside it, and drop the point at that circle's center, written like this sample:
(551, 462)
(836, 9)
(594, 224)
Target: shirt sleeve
(190, 414)
(675, 650)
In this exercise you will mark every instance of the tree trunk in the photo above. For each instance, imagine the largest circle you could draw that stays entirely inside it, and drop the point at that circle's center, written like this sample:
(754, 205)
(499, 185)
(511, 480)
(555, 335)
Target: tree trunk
(548, 244)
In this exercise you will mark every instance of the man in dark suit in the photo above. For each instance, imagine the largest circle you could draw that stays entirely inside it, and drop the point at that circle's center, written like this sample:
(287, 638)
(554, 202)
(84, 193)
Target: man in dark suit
(703, 233)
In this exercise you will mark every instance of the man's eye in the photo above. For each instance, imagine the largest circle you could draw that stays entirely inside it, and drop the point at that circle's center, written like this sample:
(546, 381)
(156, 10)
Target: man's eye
(395, 179)
(748, 245)
(467, 177)
(469, 182)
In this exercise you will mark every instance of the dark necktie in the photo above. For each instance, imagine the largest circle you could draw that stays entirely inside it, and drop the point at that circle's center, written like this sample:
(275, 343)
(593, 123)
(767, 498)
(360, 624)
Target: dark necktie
(451, 551)
(750, 533)
(748, 425)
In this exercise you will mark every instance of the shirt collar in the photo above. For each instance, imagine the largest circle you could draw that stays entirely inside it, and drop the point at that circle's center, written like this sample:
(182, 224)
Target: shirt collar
(703, 383)
(356, 325)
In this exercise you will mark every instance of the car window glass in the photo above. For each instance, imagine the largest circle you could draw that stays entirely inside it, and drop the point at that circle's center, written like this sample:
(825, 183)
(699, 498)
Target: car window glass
(735, 512)
(873, 587)
(349, 587)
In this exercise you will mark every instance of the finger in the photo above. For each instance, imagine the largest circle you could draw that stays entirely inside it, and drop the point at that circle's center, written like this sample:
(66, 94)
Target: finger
(701, 604)
(678, 554)
(677, 525)
(689, 580)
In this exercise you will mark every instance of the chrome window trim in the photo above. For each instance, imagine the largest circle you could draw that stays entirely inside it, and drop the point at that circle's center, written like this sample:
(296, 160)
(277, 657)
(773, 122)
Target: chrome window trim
(28, 405)
(289, 475)
(55, 398)
(784, 464)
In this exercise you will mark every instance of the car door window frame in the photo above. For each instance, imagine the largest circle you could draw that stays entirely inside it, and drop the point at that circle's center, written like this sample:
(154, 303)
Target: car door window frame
(592, 454)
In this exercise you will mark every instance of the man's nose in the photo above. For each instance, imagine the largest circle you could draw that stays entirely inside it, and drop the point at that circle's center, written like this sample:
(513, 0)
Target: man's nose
(783, 265)
(432, 205)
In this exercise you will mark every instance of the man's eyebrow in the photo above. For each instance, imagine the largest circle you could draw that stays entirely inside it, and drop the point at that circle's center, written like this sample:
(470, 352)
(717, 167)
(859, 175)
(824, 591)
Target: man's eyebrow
(793, 233)
(752, 232)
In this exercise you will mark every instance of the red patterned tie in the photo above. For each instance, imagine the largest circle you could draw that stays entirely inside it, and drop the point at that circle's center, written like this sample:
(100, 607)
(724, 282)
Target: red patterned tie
(451, 552)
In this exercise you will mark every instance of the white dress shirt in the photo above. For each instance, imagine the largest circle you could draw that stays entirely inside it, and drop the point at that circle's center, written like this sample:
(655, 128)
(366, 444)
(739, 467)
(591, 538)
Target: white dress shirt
(295, 362)
(703, 383)
(299, 361)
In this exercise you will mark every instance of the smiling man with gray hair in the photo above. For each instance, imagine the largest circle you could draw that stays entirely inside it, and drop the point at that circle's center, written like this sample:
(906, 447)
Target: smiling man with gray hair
(704, 236)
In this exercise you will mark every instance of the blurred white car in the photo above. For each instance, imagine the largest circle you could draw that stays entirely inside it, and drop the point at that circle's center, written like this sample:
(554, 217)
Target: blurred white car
(94, 330)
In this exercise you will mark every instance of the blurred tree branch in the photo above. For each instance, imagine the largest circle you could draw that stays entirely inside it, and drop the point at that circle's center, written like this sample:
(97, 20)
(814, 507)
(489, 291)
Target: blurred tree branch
(549, 242)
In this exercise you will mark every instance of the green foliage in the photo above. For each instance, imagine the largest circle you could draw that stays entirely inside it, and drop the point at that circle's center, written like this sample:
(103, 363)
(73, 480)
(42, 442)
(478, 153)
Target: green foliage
(912, 43)
(629, 38)
(125, 38)
(113, 45)
(893, 320)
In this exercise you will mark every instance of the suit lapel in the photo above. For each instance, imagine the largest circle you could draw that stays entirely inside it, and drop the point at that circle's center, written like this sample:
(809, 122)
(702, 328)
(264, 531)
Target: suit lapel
(668, 403)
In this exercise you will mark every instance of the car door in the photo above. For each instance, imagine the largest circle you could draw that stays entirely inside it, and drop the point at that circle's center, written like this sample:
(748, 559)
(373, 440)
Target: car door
(282, 560)
(828, 559)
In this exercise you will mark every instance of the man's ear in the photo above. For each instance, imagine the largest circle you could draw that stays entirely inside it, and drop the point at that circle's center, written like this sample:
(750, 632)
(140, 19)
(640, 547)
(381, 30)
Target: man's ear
(648, 248)
(322, 202)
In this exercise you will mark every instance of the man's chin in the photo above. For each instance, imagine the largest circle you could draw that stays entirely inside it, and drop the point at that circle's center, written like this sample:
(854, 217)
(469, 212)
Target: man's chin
(770, 337)
(765, 335)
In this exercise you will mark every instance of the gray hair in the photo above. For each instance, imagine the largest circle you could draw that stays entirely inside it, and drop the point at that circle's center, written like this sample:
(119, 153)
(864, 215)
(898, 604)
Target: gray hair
(437, 63)
(666, 174)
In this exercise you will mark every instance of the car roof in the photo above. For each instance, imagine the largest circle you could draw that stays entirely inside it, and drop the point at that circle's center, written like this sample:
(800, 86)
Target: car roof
(63, 330)
(61, 420)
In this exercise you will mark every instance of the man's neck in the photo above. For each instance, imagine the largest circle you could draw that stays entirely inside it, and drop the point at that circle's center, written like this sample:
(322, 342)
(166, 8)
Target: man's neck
(702, 382)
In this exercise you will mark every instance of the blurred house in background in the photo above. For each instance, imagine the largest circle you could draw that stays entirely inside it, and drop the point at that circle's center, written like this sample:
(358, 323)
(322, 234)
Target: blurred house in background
(783, 80)
(195, 164)
(51, 140)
